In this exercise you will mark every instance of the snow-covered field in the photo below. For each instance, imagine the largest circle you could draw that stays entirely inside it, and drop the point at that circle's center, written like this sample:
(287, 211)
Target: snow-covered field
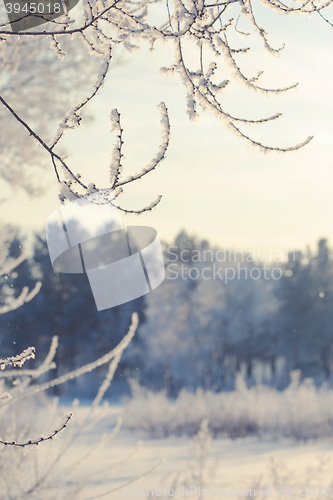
(95, 457)
(119, 468)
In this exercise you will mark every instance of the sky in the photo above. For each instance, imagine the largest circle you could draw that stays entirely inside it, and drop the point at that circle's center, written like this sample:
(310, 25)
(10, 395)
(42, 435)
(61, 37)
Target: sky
(213, 183)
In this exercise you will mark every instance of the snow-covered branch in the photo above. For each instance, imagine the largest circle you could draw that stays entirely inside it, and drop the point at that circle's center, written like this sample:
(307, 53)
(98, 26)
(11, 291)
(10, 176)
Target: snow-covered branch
(8, 267)
(19, 359)
(207, 26)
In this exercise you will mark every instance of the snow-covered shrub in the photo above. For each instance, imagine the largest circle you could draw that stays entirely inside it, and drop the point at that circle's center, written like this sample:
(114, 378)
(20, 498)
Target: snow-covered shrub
(301, 411)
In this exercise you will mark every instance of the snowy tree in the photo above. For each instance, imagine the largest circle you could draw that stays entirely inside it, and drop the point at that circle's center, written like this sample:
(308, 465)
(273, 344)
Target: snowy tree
(305, 315)
(30, 80)
(213, 30)
(202, 327)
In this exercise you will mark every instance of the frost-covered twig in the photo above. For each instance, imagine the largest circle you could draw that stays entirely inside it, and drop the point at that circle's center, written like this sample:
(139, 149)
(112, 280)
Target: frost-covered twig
(107, 380)
(22, 379)
(25, 296)
(34, 373)
(54, 156)
(88, 367)
(90, 21)
(8, 265)
(19, 359)
(67, 191)
(38, 440)
(116, 165)
(205, 24)
(165, 124)
(73, 118)
(48, 479)
(107, 195)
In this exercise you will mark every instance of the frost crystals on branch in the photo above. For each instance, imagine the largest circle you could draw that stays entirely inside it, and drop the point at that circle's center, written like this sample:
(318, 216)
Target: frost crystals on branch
(211, 28)
(19, 359)
(106, 195)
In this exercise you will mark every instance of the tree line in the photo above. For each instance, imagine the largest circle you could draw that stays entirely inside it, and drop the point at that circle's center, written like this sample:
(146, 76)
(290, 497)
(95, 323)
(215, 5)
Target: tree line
(196, 330)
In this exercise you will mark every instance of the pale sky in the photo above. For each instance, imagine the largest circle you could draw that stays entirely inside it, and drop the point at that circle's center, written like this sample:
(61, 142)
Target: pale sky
(213, 183)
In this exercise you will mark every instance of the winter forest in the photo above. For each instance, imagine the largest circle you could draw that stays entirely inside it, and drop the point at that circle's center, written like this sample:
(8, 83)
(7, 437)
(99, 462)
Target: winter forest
(193, 332)
(208, 123)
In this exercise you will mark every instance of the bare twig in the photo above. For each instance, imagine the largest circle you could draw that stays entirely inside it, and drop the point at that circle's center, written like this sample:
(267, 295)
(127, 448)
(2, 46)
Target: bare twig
(39, 440)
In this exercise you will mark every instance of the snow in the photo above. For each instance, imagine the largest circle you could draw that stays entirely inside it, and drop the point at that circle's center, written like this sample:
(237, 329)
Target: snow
(258, 410)
(240, 461)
